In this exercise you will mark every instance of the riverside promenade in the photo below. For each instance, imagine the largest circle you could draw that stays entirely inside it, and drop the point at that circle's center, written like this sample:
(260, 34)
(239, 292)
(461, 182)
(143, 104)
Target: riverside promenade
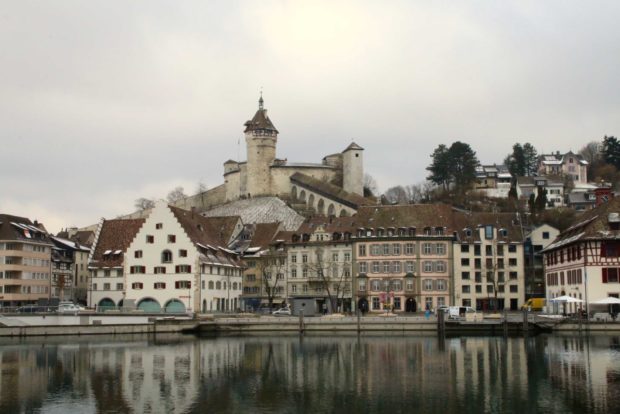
(131, 323)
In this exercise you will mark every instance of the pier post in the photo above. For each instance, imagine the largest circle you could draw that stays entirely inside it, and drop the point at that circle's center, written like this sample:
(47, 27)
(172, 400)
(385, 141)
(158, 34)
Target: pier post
(505, 322)
(359, 328)
(441, 323)
(301, 321)
(525, 321)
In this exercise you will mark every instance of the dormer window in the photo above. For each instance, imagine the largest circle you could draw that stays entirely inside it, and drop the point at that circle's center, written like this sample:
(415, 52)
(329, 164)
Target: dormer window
(503, 232)
(380, 232)
(468, 232)
(159, 226)
(427, 231)
(439, 231)
(412, 231)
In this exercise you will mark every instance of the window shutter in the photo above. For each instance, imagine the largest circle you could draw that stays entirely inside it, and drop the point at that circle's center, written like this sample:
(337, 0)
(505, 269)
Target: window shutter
(176, 269)
(189, 269)
(604, 275)
(603, 252)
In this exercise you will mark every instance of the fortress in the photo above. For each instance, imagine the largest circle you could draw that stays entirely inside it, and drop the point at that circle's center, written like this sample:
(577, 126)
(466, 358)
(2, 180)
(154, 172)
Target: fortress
(332, 187)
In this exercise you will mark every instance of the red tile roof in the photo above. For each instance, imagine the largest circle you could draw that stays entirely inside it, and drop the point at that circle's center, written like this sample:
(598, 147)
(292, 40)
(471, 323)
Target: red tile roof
(114, 235)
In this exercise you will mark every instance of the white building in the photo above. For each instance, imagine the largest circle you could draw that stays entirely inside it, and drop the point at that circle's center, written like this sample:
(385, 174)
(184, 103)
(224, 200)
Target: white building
(526, 186)
(584, 260)
(179, 261)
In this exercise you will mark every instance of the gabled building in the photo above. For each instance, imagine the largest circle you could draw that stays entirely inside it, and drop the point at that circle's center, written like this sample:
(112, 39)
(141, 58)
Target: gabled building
(264, 262)
(526, 186)
(107, 262)
(25, 261)
(70, 268)
(569, 164)
(179, 261)
(584, 260)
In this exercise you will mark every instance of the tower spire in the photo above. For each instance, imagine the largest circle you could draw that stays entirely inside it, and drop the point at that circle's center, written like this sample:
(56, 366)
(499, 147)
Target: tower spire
(260, 101)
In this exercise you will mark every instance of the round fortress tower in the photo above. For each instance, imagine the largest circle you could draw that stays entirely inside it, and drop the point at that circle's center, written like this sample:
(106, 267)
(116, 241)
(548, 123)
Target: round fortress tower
(261, 137)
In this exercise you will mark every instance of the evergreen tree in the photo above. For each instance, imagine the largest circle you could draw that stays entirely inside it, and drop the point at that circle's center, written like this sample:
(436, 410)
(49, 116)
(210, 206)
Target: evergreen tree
(515, 161)
(462, 165)
(611, 151)
(532, 203)
(439, 168)
(541, 199)
(530, 159)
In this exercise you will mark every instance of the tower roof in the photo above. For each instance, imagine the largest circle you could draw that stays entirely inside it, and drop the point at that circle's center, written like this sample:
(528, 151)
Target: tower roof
(261, 121)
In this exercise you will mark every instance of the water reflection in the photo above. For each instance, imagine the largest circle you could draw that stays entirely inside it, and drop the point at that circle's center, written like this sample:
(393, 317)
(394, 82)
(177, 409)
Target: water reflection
(180, 374)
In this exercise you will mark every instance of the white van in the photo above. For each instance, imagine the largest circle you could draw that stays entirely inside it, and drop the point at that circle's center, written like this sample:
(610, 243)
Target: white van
(462, 312)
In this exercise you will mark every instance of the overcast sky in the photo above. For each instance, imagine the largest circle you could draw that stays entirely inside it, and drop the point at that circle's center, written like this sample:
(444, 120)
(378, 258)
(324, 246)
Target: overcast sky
(103, 102)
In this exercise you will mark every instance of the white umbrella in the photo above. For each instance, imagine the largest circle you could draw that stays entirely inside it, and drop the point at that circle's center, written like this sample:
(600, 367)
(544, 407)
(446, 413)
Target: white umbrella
(606, 301)
(566, 299)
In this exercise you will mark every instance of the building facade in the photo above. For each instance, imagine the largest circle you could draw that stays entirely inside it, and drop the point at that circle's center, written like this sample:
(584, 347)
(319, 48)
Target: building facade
(25, 262)
(535, 242)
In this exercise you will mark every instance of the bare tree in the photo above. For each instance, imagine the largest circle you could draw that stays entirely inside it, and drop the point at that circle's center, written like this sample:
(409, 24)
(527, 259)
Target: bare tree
(176, 195)
(370, 186)
(201, 187)
(396, 195)
(144, 203)
(271, 267)
(415, 193)
(334, 277)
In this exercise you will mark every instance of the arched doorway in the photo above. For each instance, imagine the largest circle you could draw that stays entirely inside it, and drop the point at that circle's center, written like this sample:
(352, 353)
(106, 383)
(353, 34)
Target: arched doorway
(320, 208)
(343, 213)
(174, 306)
(106, 304)
(411, 305)
(294, 193)
(362, 305)
(302, 196)
(331, 210)
(149, 305)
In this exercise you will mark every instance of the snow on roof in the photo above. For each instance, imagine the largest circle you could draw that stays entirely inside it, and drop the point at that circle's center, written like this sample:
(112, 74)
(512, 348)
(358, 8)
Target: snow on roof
(260, 210)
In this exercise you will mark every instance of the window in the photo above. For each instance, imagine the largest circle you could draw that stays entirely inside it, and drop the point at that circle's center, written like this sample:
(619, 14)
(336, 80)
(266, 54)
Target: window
(137, 286)
(335, 257)
(610, 275)
(362, 285)
(304, 258)
(397, 285)
(363, 267)
(166, 256)
(428, 266)
(159, 226)
(182, 253)
(513, 275)
(488, 232)
(362, 250)
(386, 249)
(183, 284)
(489, 288)
(410, 267)
(427, 248)
(396, 249)
(512, 248)
(172, 238)
(294, 272)
(545, 235)
(150, 239)
(464, 248)
(441, 284)
(159, 285)
(477, 250)
(409, 249)
(137, 269)
(500, 250)
(386, 267)
(466, 288)
(375, 285)
(106, 286)
(464, 262)
(106, 273)
(375, 249)
(375, 267)
(440, 248)
(397, 302)
(428, 303)
(478, 288)
(159, 270)
(294, 288)
(211, 285)
(514, 288)
(137, 254)
(427, 284)
(375, 303)
(347, 257)
(440, 267)
(183, 269)
(94, 286)
(488, 250)
(512, 262)
(396, 267)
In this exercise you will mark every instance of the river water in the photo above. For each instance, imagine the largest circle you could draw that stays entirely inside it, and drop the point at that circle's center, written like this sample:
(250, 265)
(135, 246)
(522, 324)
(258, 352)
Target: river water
(314, 374)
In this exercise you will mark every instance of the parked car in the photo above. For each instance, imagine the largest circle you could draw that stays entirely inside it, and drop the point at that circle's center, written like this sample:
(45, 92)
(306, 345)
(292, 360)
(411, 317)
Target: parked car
(282, 312)
(32, 309)
(68, 307)
(461, 312)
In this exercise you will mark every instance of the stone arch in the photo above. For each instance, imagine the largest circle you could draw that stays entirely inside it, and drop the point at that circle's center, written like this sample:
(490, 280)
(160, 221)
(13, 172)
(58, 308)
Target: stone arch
(149, 305)
(320, 207)
(105, 304)
(174, 306)
(204, 305)
(311, 201)
(294, 192)
(302, 196)
(331, 210)
(343, 213)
